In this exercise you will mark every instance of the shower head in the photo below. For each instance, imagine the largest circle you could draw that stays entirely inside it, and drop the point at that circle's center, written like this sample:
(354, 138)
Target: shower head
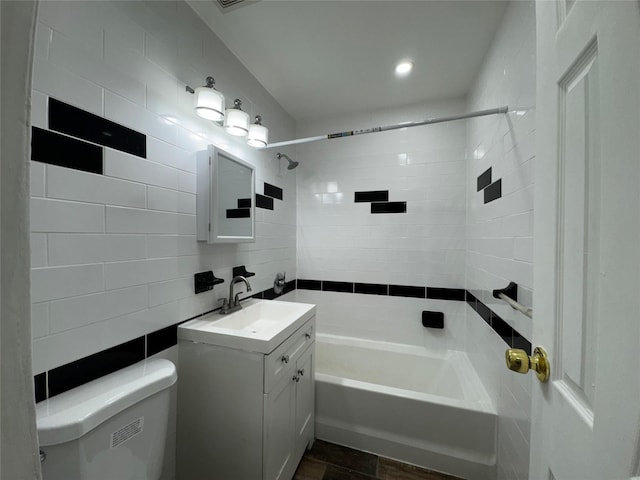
(292, 163)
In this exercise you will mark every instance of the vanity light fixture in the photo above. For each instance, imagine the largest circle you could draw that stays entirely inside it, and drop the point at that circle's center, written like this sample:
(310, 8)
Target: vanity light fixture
(236, 122)
(258, 134)
(207, 101)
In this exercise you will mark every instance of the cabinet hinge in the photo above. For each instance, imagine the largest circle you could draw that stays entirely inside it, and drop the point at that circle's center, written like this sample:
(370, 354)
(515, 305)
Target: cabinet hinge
(209, 227)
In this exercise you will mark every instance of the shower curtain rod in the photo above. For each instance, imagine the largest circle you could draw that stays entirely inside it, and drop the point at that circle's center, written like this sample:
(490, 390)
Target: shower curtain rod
(428, 121)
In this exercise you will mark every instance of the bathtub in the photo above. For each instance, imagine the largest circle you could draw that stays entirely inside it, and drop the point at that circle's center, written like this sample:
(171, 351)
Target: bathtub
(404, 402)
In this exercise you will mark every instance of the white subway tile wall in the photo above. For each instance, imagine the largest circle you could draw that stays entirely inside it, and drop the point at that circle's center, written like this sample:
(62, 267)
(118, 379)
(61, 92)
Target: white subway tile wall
(341, 240)
(499, 234)
(113, 255)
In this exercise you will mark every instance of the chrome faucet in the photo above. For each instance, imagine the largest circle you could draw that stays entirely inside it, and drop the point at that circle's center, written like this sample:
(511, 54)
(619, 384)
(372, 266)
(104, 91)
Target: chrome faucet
(233, 303)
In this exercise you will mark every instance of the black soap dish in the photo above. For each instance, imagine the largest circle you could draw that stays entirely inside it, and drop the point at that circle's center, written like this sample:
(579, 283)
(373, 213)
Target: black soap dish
(204, 281)
(242, 271)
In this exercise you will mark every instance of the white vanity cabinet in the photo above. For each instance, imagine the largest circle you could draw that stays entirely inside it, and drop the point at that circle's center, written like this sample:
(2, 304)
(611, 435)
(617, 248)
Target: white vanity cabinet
(245, 415)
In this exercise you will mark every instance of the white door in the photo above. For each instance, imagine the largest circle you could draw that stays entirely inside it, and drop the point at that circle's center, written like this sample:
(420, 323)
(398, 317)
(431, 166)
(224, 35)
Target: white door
(586, 419)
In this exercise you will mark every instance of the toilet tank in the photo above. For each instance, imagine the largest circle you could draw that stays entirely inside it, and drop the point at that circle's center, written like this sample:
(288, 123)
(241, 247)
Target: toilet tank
(114, 427)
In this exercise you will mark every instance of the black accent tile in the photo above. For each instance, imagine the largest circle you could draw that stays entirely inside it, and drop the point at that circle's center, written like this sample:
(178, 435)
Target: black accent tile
(406, 291)
(371, 196)
(244, 203)
(270, 294)
(389, 207)
(259, 295)
(272, 191)
(457, 294)
(502, 328)
(40, 386)
(162, 339)
(239, 213)
(78, 123)
(308, 284)
(483, 311)
(264, 202)
(520, 342)
(204, 281)
(55, 149)
(290, 286)
(371, 288)
(432, 319)
(493, 191)
(329, 286)
(484, 180)
(95, 366)
(470, 297)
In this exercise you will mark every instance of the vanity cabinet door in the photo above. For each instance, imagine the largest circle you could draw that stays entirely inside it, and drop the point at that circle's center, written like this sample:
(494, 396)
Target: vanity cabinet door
(279, 423)
(305, 394)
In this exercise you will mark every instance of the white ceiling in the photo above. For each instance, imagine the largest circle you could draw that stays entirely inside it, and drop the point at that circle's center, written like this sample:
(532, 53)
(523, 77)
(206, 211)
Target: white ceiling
(322, 58)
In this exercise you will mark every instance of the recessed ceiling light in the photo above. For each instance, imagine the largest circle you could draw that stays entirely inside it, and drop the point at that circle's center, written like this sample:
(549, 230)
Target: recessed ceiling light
(404, 67)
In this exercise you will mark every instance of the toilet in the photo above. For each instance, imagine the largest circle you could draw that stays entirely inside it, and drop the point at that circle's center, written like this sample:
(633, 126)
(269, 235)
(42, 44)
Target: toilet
(114, 427)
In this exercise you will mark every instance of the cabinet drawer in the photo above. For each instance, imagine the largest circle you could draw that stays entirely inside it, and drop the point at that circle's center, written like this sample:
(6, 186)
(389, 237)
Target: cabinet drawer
(284, 357)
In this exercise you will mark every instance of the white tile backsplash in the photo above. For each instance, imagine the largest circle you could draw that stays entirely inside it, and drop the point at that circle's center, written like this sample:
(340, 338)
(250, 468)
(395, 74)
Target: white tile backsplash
(129, 167)
(52, 283)
(49, 215)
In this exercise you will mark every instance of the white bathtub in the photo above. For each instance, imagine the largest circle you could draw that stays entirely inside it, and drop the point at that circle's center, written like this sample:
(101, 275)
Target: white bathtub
(407, 403)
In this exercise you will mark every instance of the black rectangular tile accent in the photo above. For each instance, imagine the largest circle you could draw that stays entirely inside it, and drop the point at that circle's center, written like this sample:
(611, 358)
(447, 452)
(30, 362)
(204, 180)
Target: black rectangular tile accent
(493, 191)
(308, 284)
(389, 207)
(371, 196)
(502, 328)
(55, 149)
(470, 297)
(329, 286)
(270, 294)
(244, 203)
(264, 202)
(483, 311)
(457, 294)
(162, 339)
(371, 288)
(290, 286)
(238, 213)
(432, 319)
(520, 342)
(78, 123)
(40, 386)
(484, 180)
(259, 295)
(95, 366)
(406, 291)
(272, 191)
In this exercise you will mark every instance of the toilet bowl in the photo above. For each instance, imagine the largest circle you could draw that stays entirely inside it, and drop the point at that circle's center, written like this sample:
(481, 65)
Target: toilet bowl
(114, 427)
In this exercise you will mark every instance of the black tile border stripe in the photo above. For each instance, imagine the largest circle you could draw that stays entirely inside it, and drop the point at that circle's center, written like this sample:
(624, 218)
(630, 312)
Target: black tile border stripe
(60, 379)
(272, 191)
(510, 335)
(238, 213)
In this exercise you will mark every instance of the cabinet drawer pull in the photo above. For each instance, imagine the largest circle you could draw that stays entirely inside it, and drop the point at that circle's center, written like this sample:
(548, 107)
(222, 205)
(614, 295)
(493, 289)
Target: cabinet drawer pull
(307, 336)
(296, 378)
(285, 359)
(301, 372)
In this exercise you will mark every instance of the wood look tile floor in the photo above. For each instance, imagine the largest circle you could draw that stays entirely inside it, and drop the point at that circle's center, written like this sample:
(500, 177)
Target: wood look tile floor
(327, 461)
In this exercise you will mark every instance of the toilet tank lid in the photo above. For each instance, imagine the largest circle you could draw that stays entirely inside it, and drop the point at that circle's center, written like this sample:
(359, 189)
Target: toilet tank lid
(72, 414)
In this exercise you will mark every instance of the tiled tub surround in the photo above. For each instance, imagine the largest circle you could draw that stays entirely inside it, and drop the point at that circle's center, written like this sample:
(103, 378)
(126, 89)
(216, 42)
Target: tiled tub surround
(499, 245)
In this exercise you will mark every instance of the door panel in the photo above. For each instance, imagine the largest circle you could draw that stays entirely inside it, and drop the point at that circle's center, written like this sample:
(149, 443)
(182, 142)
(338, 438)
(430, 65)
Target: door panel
(586, 420)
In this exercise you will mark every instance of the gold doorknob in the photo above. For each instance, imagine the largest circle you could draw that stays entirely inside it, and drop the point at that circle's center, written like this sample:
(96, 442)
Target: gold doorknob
(519, 361)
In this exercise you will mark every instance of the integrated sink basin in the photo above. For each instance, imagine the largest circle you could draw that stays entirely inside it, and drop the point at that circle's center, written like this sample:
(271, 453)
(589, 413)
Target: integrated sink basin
(260, 326)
